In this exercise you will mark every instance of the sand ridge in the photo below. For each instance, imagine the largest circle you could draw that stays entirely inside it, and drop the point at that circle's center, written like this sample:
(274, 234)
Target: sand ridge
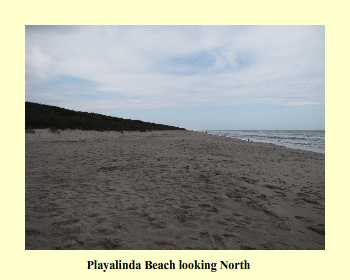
(170, 190)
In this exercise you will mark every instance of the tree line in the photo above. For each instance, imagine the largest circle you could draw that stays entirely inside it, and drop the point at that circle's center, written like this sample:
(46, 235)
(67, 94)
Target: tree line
(45, 116)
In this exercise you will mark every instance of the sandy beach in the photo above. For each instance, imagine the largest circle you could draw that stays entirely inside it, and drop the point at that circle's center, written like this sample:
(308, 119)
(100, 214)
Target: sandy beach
(170, 190)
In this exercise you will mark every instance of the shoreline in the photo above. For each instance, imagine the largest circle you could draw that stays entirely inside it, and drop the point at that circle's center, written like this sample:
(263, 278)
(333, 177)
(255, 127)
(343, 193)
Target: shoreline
(192, 131)
(170, 190)
(269, 143)
(265, 142)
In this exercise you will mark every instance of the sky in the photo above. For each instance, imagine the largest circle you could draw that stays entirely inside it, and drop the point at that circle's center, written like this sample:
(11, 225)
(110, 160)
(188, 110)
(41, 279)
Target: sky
(197, 77)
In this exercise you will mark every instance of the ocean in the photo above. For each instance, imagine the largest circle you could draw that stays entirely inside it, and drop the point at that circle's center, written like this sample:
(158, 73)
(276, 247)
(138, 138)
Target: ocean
(309, 140)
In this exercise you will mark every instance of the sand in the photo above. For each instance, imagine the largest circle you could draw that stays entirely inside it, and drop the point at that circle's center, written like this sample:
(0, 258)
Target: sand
(170, 190)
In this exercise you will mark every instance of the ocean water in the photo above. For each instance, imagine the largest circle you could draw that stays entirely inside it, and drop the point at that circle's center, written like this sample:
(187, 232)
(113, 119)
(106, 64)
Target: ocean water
(309, 140)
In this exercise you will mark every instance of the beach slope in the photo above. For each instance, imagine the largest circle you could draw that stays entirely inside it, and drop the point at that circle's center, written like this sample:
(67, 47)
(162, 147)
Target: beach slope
(170, 190)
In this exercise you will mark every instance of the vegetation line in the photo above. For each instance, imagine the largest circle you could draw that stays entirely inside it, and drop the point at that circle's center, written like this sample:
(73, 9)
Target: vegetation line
(46, 116)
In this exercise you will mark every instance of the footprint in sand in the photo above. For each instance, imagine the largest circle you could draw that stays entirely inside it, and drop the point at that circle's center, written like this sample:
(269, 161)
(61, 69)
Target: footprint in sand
(158, 224)
(272, 187)
(165, 244)
(105, 231)
(33, 232)
(303, 219)
(219, 241)
(306, 197)
(66, 222)
(208, 207)
(246, 247)
(317, 228)
(110, 243)
(284, 225)
(248, 180)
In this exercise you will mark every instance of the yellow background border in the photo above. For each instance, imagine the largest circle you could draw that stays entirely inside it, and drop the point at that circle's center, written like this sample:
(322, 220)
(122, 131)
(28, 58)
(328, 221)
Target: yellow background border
(323, 264)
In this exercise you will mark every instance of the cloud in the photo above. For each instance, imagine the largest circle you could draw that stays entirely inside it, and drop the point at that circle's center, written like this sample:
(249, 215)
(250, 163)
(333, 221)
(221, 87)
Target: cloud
(166, 66)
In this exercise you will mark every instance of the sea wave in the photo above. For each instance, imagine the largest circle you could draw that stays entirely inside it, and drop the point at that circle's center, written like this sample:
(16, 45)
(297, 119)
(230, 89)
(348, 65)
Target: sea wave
(310, 140)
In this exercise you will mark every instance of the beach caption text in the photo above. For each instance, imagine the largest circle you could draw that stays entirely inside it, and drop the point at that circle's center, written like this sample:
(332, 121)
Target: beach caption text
(149, 265)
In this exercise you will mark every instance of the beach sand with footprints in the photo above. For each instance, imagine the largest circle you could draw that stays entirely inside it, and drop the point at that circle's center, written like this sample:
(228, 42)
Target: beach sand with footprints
(170, 190)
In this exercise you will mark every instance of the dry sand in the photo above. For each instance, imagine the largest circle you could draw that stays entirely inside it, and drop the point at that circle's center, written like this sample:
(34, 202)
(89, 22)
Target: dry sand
(170, 190)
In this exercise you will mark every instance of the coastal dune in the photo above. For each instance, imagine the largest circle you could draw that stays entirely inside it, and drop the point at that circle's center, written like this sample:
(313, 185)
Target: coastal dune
(170, 190)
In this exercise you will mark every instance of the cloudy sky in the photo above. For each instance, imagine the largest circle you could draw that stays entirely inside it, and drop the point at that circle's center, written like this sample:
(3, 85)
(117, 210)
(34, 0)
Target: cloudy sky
(198, 77)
